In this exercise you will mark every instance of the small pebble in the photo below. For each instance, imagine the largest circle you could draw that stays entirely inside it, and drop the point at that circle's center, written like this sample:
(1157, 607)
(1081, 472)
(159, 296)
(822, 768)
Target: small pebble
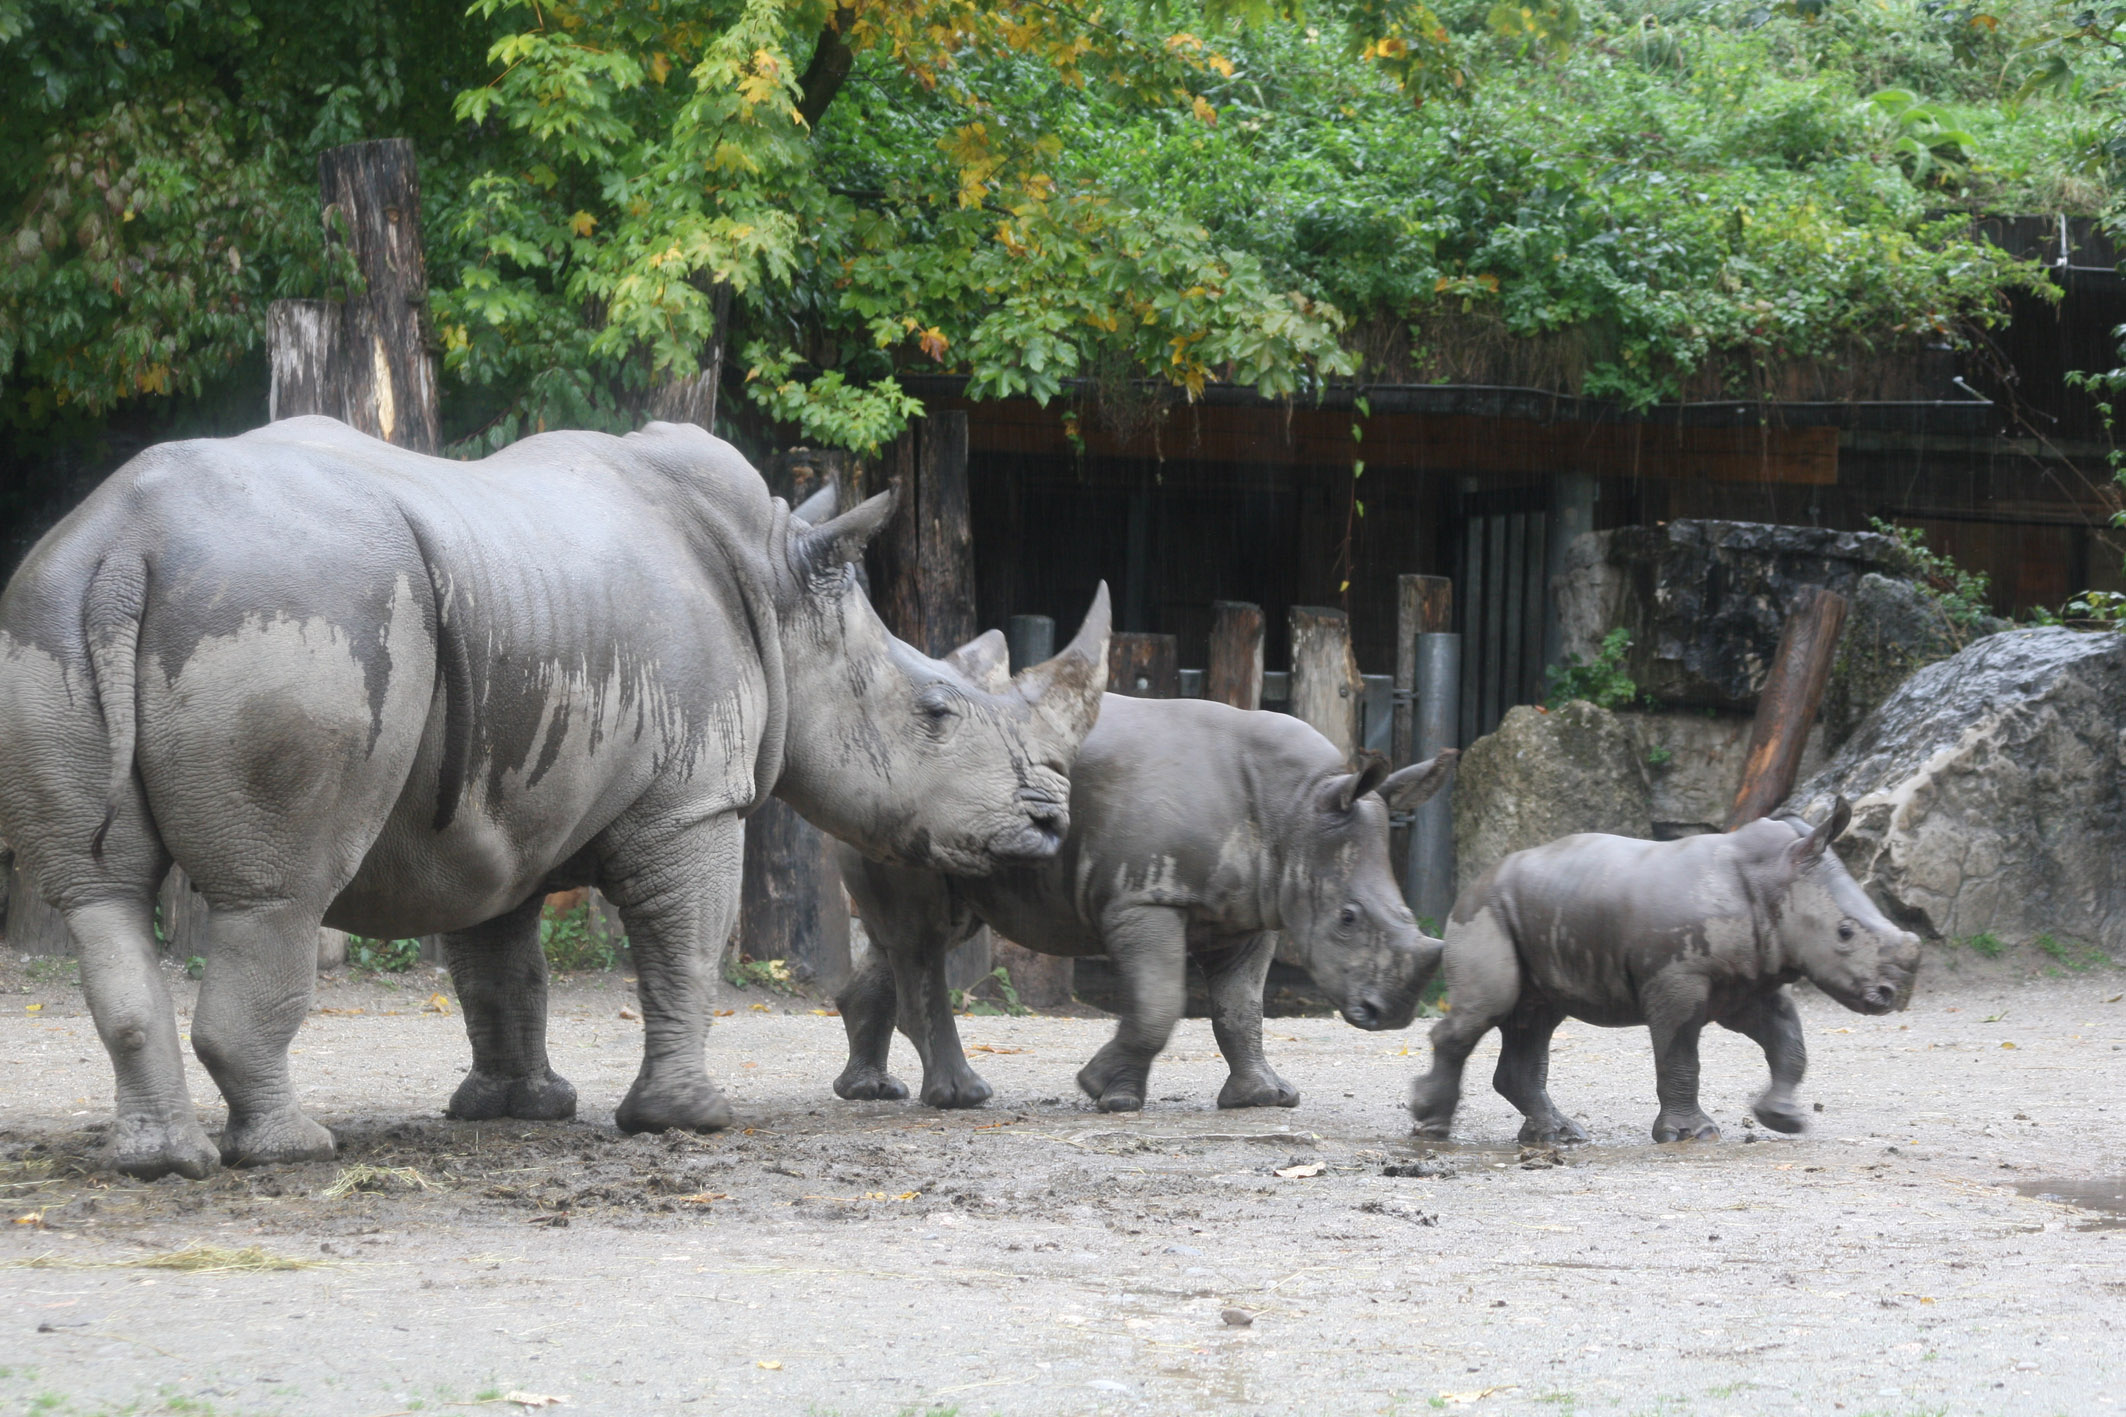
(1237, 1318)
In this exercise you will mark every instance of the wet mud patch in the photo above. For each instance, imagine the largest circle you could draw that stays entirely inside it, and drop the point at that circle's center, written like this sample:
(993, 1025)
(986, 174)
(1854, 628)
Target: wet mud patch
(2104, 1197)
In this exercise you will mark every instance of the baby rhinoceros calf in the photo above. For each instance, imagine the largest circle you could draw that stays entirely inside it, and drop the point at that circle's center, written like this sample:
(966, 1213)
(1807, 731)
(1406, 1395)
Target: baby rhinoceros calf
(1197, 832)
(1673, 935)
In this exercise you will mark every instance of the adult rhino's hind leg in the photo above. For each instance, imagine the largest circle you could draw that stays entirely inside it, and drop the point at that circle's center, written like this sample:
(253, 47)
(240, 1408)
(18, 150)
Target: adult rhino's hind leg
(1523, 1074)
(1149, 944)
(677, 890)
(500, 973)
(1774, 1024)
(261, 971)
(1483, 977)
(867, 1004)
(1236, 979)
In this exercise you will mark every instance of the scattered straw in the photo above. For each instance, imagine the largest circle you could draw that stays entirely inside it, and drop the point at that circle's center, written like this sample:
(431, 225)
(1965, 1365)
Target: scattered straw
(195, 1259)
(371, 1179)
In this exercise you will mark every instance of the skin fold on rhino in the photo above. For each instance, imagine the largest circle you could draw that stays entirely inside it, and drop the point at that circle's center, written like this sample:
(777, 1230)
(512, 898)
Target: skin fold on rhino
(338, 681)
(1673, 935)
(1197, 832)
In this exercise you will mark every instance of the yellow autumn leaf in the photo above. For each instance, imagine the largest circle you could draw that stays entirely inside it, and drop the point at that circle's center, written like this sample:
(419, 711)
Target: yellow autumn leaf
(660, 66)
(1204, 111)
(583, 223)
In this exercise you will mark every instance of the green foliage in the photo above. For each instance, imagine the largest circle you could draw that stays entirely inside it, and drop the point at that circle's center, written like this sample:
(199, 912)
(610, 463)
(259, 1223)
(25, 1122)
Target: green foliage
(1603, 682)
(1986, 945)
(991, 995)
(382, 956)
(54, 969)
(578, 939)
(196, 967)
(1660, 755)
(1963, 597)
(746, 972)
(2070, 955)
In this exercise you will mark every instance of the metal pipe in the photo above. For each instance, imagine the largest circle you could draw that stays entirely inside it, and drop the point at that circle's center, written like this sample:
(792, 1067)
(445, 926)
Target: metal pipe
(1429, 878)
(1032, 638)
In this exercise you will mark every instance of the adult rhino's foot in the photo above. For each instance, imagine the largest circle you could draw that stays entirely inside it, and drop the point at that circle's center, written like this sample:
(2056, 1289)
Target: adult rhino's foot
(482, 1097)
(1263, 1089)
(1685, 1126)
(1780, 1115)
(866, 1084)
(152, 1147)
(1554, 1130)
(269, 1138)
(955, 1090)
(1114, 1084)
(1432, 1105)
(694, 1106)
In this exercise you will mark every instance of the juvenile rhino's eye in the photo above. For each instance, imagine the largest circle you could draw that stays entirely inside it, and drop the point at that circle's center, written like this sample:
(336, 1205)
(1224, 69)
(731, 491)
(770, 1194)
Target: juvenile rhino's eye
(1348, 916)
(1845, 929)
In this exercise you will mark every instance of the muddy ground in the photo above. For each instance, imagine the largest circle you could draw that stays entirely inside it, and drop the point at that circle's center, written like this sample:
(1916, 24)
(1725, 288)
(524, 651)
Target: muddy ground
(1037, 1257)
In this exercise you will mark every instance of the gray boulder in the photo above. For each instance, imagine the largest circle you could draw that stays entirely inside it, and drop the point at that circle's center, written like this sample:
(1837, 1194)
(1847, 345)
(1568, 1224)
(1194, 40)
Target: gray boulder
(1694, 760)
(1542, 775)
(1892, 630)
(1704, 600)
(1989, 791)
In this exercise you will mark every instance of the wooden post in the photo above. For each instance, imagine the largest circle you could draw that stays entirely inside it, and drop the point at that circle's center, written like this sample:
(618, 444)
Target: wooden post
(372, 196)
(303, 348)
(1325, 682)
(1234, 675)
(1143, 666)
(691, 398)
(1786, 708)
(1424, 605)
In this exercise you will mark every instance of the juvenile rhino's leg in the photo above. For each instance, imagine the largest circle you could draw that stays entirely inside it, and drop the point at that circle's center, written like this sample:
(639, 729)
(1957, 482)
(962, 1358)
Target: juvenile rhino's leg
(1523, 1074)
(926, 1018)
(1772, 1021)
(1236, 979)
(261, 972)
(156, 1130)
(1675, 1014)
(1483, 985)
(676, 886)
(866, 1004)
(1149, 944)
(500, 973)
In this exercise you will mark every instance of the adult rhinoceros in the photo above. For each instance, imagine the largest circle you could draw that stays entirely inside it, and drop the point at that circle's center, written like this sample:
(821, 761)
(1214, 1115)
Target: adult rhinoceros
(336, 680)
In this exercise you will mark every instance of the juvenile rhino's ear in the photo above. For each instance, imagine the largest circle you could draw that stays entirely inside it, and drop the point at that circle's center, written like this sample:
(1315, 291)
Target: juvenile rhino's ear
(1811, 847)
(1419, 782)
(1343, 792)
(819, 506)
(823, 550)
(985, 659)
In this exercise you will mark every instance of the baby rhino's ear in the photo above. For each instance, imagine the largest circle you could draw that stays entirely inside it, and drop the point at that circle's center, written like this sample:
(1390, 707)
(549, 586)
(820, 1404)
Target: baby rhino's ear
(986, 660)
(1809, 850)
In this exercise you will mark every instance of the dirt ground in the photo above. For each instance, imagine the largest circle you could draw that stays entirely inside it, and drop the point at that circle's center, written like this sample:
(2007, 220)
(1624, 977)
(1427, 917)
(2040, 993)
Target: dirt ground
(1037, 1257)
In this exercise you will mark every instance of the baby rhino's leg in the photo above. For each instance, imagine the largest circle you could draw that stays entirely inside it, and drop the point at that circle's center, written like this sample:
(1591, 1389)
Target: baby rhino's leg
(1236, 978)
(1523, 1075)
(1483, 984)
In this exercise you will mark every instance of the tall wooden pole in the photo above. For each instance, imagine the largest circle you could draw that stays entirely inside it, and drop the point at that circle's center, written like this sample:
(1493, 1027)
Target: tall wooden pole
(1234, 674)
(1325, 681)
(372, 196)
(1424, 605)
(1143, 666)
(1786, 708)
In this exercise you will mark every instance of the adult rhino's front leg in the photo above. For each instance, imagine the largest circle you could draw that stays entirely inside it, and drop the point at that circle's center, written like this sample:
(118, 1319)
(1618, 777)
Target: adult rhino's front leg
(500, 973)
(1149, 944)
(1236, 980)
(676, 886)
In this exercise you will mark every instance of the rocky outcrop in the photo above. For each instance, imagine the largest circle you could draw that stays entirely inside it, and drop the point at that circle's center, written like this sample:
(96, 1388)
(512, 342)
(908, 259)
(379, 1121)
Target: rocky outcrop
(1694, 760)
(1704, 600)
(1892, 630)
(1989, 791)
(1543, 775)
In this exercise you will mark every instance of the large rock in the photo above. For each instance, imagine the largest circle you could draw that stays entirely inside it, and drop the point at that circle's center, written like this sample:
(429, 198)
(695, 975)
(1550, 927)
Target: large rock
(1704, 600)
(1694, 761)
(1989, 791)
(1892, 630)
(1541, 776)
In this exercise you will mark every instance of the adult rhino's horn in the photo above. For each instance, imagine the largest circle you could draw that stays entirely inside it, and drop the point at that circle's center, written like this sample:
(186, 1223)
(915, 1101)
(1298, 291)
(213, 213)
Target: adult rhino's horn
(823, 550)
(1066, 690)
(984, 660)
(819, 506)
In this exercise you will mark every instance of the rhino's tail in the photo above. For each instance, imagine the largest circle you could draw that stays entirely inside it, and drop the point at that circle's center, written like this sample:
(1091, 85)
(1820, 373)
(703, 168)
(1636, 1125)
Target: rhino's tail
(111, 619)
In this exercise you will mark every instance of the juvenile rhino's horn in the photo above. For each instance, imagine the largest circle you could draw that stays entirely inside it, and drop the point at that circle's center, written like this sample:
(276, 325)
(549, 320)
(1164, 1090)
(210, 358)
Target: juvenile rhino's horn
(1065, 691)
(985, 660)
(823, 550)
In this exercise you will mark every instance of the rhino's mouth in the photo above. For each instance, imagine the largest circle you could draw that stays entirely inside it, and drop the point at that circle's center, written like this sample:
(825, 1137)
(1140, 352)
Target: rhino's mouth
(1038, 836)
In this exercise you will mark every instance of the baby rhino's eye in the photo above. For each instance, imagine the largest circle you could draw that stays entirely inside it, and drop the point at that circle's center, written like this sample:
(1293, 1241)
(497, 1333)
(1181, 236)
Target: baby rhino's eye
(1845, 929)
(1348, 916)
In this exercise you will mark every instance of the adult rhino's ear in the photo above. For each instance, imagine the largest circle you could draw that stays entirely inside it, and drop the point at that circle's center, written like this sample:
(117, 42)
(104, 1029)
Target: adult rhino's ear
(1065, 691)
(819, 506)
(823, 550)
(1419, 782)
(1810, 848)
(985, 660)
(1342, 793)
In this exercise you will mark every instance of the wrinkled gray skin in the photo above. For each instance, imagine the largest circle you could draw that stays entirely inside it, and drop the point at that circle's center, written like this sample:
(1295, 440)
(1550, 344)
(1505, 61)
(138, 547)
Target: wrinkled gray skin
(1197, 831)
(336, 680)
(1674, 935)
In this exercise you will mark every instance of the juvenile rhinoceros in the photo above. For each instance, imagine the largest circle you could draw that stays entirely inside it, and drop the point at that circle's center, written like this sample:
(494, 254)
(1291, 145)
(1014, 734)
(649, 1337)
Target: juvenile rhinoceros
(1673, 935)
(1197, 831)
(334, 679)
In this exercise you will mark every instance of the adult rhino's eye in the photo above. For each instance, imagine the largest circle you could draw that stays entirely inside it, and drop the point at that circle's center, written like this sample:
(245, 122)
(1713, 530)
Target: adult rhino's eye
(938, 707)
(1845, 929)
(1348, 916)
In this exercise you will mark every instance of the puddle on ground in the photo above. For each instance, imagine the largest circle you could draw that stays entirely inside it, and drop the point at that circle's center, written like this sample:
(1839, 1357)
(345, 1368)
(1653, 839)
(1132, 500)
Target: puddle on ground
(2106, 1195)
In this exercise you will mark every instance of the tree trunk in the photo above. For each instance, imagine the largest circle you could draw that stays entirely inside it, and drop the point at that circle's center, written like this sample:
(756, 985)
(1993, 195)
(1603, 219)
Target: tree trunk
(303, 347)
(372, 196)
(1786, 708)
(1234, 675)
(1143, 666)
(1325, 681)
(1424, 605)
(691, 398)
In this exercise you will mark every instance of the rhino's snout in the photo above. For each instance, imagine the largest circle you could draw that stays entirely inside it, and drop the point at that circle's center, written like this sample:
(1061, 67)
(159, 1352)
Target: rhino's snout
(1374, 1012)
(1039, 834)
(1879, 998)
